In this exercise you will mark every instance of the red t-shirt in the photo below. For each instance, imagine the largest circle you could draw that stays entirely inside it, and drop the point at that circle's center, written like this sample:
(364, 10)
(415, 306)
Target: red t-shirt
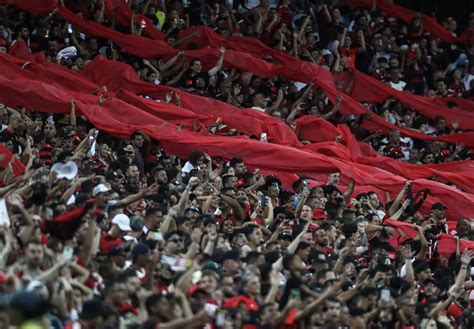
(290, 321)
(107, 242)
(349, 55)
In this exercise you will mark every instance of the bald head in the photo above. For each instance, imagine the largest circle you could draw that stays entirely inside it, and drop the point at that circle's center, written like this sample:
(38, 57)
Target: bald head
(15, 122)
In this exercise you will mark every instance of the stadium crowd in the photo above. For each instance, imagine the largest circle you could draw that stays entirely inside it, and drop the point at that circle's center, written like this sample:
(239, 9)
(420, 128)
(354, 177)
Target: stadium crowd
(103, 232)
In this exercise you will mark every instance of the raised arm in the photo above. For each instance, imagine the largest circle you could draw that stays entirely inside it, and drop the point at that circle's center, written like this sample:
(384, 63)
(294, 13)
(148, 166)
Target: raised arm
(219, 63)
(349, 191)
(334, 110)
(278, 265)
(238, 211)
(193, 182)
(277, 102)
(398, 200)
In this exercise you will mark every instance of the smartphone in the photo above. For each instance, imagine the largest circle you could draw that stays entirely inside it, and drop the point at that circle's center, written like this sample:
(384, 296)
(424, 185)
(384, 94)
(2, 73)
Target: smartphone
(385, 294)
(263, 201)
(68, 252)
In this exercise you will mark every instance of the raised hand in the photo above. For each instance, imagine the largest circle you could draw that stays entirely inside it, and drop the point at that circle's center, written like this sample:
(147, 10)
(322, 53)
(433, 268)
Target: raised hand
(466, 257)
(193, 182)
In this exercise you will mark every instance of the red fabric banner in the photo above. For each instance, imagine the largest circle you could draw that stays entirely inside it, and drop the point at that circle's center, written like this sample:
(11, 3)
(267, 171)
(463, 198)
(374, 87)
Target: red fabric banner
(407, 15)
(18, 168)
(43, 87)
(298, 70)
(447, 245)
(20, 50)
(35, 7)
(120, 117)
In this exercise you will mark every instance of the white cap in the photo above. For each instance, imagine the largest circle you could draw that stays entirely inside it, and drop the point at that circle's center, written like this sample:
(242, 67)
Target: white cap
(101, 188)
(325, 52)
(66, 170)
(122, 221)
(67, 52)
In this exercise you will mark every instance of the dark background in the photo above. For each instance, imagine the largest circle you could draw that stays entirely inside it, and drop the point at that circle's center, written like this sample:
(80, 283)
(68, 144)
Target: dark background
(459, 9)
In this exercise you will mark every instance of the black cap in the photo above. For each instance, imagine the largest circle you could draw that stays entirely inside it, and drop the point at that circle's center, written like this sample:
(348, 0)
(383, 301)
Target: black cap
(438, 206)
(112, 175)
(285, 236)
(140, 249)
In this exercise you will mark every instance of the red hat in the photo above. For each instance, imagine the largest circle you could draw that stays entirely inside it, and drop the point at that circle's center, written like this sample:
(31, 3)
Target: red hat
(234, 302)
(195, 289)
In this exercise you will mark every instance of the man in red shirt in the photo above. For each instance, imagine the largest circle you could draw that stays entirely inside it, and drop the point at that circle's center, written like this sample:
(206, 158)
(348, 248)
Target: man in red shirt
(114, 237)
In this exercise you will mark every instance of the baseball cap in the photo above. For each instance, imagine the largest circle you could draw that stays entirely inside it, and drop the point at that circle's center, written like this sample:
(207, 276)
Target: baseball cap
(285, 236)
(101, 188)
(140, 249)
(438, 206)
(194, 289)
(66, 170)
(112, 175)
(122, 221)
(325, 52)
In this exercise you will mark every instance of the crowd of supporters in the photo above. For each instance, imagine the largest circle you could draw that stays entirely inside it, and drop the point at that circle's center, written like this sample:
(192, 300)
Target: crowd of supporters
(98, 231)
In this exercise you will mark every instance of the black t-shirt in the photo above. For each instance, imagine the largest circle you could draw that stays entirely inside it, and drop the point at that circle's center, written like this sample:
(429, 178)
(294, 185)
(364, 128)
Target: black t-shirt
(364, 59)
(38, 43)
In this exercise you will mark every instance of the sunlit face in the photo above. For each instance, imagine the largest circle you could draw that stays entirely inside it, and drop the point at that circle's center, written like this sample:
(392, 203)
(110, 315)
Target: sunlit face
(374, 200)
(320, 237)
(429, 158)
(333, 179)
(209, 283)
(161, 177)
(306, 212)
(49, 130)
(215, 201)
(197, 66)
(228, 227)
(333, 311)
(175, 244)
(242, 196)
(133, 173)
(252, 286)
(256, 237)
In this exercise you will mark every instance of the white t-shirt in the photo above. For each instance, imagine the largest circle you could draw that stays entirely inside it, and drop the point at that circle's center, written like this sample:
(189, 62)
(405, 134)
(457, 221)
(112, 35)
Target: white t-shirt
(258, 109)
(467, 81)
(398, 86)
(252, 3)
(187, 168)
